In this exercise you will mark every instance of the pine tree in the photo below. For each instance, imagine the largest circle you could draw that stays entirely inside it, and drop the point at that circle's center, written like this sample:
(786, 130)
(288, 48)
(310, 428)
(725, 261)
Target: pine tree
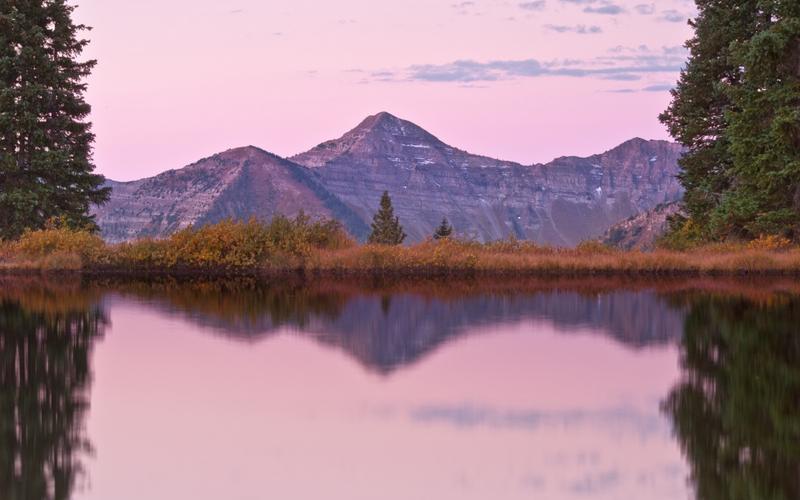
(737, 111)
(765, 126)
(445, 230)
(386, 228)
(45, 141)
(697, 115)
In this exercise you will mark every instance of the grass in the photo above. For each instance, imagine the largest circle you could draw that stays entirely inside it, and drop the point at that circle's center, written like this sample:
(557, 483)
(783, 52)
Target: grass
(322, 248)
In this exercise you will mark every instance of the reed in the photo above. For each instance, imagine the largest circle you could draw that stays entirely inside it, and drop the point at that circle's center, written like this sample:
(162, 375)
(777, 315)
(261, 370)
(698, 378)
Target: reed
(322, 247)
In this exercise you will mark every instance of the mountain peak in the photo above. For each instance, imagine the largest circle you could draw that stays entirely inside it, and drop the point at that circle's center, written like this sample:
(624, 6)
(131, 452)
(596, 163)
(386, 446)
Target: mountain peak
(377, 119)
(381, 133)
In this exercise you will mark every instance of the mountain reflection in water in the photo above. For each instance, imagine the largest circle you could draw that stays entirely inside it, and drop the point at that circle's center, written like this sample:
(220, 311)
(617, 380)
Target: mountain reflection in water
(735, 411)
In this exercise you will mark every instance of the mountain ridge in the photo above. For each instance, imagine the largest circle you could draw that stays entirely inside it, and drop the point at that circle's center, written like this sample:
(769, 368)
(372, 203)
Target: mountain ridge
(561, 202)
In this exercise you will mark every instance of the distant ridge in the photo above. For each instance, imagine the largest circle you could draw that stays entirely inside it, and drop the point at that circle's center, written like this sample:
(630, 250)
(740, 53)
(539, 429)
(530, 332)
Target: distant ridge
(560, 203)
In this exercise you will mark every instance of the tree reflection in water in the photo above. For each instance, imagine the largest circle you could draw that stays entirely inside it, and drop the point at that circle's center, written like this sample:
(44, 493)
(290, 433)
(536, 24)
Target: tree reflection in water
(737, 410)
(44, 382)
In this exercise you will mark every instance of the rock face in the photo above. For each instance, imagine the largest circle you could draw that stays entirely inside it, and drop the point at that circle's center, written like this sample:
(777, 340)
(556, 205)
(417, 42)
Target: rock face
(559, 203)
(238, 183)
(642, 231)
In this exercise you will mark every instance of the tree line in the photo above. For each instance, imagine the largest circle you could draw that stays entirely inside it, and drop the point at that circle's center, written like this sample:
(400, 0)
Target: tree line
(736, 109)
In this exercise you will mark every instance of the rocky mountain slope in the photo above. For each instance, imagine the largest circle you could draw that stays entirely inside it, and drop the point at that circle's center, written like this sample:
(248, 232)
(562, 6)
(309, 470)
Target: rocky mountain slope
(560, 203)
(642, 231)
(238, 183)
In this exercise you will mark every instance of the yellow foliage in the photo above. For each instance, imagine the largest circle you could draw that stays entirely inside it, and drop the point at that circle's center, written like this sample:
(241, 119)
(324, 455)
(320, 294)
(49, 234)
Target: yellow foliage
(84, 246)
(770, 242)
(322, 246)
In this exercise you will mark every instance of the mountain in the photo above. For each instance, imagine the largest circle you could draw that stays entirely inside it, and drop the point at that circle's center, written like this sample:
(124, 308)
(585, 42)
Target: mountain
(641, 231)
(238, 183)
(560, 203)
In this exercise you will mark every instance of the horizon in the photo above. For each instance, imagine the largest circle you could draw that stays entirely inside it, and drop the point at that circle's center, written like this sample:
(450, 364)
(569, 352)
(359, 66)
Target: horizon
(289, 158)
(520, 81)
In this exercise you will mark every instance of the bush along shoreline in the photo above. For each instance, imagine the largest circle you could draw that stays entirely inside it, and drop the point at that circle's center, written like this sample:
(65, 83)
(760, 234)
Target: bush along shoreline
(309, 247)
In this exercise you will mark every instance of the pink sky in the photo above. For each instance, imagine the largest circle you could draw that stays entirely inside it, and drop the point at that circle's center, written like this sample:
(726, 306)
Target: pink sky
(518, 80)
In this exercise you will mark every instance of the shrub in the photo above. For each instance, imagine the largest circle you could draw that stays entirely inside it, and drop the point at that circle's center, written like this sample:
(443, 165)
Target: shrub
(589, 247)
(770, 242)
(683, 234)
(87, 247)
(284, 242)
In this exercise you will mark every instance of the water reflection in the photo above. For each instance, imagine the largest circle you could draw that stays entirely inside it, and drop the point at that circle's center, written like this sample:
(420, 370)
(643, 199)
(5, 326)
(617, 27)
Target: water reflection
(735, 409)
(45, 344)
(386, 326)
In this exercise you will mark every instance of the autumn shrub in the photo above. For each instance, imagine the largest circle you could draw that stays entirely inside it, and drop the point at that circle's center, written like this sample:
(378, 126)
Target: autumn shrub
(682, 235)
(770, 242)
(46, 243)
(283, 242)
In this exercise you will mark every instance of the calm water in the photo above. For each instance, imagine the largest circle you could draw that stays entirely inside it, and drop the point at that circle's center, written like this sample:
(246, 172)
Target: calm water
(583, 389)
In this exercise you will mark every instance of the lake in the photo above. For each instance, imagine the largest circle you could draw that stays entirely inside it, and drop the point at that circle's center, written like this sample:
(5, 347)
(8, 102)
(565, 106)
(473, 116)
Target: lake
(582, 388)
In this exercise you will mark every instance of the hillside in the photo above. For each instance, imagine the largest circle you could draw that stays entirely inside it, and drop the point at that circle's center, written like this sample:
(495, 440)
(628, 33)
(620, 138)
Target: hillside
(561, 203)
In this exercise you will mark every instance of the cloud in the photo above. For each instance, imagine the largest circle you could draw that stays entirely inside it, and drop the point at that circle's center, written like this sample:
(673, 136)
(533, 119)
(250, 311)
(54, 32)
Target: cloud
(605, 9)
(645, 9)
(673, 16)
(623, 77)
(534, 5)
(580, 29)
(594, 483)
(658, 88)
(463, 8)
(618, 66)
(620, 63)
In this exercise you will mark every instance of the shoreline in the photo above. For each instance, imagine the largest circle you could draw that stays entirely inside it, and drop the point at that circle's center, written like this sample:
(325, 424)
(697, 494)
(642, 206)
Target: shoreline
(547, 270)
(320, 249)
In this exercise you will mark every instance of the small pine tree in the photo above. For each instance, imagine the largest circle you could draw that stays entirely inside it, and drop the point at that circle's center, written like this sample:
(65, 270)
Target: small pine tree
(386, 228)
(445, 230)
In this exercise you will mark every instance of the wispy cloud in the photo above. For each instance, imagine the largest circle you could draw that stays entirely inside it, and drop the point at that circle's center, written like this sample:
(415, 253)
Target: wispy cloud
(645, 9)
(673, 16)
(621, 64)
(610, 9)
(463, 8)
(580, 29)
(607, 7)
(661, 87)
(536, 5)
(596, 483)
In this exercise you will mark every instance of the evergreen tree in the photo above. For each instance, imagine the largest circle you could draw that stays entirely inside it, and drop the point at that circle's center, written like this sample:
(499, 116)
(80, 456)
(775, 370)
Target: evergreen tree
(697, 115)
(445, 230)
(45, 141)
(764, 126)
(386, 228)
